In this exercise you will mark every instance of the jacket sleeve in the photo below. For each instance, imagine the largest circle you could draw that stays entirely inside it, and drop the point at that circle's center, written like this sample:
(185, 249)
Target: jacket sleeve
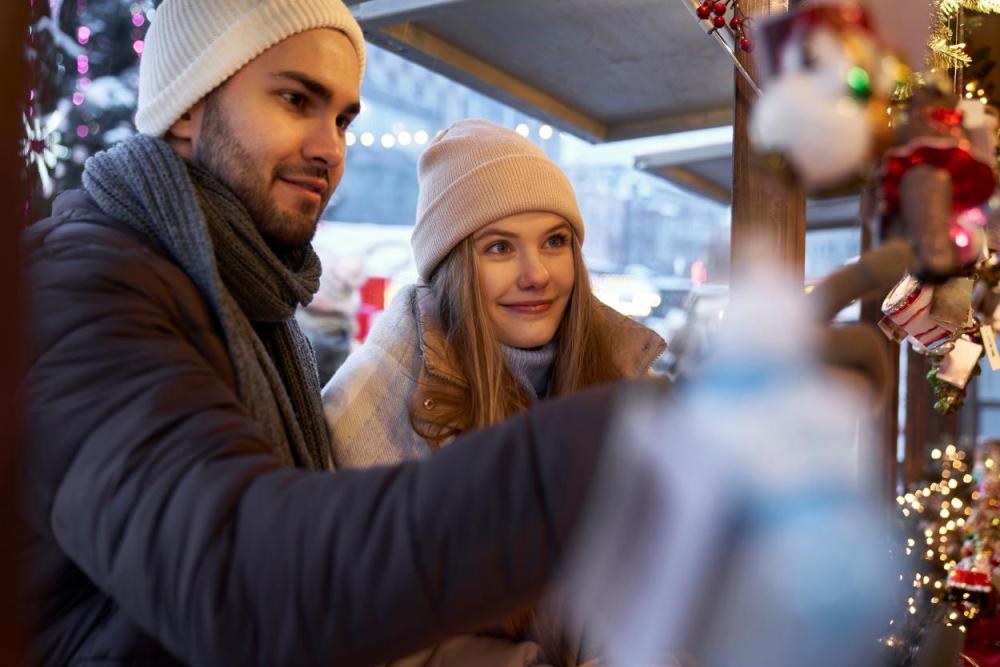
(144, 469)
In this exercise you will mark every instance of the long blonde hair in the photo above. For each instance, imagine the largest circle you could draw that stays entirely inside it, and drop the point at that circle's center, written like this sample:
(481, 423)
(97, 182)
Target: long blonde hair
(489, 392)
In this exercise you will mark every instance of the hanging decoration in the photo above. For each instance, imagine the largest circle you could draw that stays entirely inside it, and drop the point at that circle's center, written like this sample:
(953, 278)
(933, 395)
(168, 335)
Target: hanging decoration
(946, 43)
(729, 25)
(828, 80)
(723, 14)
(934, 187)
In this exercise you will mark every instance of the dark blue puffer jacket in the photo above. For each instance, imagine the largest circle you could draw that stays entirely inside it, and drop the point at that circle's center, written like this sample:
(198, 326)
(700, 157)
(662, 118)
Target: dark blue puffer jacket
(160, 530)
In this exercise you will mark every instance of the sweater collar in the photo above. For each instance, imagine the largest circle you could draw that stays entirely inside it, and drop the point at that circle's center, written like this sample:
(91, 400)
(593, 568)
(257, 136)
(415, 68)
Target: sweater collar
(531, 368)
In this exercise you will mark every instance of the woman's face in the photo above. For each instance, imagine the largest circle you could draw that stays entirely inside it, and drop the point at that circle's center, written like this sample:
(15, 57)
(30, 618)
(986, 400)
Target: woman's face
(526, 275)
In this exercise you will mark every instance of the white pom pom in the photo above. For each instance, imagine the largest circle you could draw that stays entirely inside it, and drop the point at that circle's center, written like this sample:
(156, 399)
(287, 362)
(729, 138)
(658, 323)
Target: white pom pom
(827, 139)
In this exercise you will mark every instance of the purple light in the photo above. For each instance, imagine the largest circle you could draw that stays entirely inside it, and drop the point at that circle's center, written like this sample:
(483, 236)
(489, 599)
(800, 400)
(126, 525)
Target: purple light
(82, 64)
(83, 83)
(31, 94)
(138, 45)
(82, 131)
(138, 20)
(78, 99)
(83, 34)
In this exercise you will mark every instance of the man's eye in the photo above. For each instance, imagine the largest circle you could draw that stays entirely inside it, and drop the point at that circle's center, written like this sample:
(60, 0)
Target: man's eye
(297, 100)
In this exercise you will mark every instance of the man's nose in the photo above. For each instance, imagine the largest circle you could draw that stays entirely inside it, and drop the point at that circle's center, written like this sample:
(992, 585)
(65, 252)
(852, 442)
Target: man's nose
(326, 146)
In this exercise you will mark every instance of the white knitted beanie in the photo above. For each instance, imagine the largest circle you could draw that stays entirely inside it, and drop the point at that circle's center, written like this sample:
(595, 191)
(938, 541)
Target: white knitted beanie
(474, 173)
(194, 46)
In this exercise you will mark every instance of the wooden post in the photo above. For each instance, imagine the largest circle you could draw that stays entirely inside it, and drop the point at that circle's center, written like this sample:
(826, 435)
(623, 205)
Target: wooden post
(769, 209)
(13, 75)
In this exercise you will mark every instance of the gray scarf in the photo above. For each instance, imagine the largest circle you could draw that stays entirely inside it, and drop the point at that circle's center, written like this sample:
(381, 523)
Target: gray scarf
(252, 291)
(531, 368)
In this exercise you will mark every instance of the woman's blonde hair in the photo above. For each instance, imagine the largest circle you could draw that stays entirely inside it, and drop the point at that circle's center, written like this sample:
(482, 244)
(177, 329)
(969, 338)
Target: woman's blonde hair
(489, 392)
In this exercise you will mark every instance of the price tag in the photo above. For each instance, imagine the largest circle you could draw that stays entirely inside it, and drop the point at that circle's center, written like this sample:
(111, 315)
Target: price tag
(990, 343)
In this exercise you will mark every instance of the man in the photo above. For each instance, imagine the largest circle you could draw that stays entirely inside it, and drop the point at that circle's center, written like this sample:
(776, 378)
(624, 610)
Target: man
(178, 504)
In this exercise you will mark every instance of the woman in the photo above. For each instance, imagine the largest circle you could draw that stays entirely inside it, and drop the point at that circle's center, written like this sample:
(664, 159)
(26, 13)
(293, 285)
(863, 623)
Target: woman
(503, 315)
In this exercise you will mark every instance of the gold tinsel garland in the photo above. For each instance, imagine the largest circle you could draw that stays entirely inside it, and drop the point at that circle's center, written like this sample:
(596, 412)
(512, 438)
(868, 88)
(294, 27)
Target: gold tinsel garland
(947, 52)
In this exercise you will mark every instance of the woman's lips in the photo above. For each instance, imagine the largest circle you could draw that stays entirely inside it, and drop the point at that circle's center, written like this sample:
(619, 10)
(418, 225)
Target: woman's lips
(529, 307)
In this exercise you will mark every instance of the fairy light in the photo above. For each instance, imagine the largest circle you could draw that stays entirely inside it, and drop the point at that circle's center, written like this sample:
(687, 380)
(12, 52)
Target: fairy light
(940, 508)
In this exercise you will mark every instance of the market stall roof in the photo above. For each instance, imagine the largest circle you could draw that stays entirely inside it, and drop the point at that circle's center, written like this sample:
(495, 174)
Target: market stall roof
(702, 163)
(600, 69)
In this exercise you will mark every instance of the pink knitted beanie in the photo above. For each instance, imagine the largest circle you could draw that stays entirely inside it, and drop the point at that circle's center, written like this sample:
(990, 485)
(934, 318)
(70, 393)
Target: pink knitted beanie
(474, 173)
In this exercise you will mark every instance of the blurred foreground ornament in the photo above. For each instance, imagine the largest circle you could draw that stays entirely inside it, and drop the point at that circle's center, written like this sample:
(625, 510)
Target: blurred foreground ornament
(750, 533)
(42, 148)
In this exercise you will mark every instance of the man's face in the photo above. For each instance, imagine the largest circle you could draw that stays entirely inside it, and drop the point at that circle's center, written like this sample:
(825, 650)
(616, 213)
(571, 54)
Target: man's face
(274, 132)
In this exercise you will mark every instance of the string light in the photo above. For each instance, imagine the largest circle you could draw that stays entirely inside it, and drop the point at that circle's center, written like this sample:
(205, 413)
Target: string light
(939, 510)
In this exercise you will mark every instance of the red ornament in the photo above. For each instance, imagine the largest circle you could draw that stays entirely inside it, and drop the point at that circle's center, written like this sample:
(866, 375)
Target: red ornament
(719, 8)
(972, 180)
(746, 44)
(704, 11)
(735, 23)
(719, 21)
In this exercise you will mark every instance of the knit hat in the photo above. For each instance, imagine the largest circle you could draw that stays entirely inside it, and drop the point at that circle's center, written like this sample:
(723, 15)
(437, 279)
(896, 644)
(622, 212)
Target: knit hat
(193, 46)
(474, 173)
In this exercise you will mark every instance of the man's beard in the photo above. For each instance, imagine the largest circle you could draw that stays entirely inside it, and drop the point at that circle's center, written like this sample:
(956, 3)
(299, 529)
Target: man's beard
(221, 152)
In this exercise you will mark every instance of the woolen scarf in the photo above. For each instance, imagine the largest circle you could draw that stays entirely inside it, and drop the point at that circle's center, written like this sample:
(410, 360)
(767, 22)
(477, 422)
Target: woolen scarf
(252, 290)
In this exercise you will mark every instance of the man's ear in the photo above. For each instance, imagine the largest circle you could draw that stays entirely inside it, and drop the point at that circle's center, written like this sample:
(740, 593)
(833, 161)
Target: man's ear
(183, 135)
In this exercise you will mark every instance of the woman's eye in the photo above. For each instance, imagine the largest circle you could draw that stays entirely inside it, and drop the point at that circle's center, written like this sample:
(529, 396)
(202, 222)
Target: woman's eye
(497, 248)
(557, 241)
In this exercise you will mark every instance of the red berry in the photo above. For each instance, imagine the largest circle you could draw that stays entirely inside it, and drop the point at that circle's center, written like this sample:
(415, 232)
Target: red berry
(719, 8)
(704, 11)
(719, 21)
(735, 22)
(746, 44)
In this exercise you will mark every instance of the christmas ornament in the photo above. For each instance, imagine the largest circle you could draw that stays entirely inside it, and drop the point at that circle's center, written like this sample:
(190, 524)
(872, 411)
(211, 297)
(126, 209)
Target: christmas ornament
(907, 314)
(828, 80)
(715, 12)
(41, 145)
(951, 371)
(934, 178)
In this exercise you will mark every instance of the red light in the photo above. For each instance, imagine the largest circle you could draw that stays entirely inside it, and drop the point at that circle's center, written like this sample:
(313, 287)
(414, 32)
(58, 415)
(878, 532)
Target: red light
(699, 274)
